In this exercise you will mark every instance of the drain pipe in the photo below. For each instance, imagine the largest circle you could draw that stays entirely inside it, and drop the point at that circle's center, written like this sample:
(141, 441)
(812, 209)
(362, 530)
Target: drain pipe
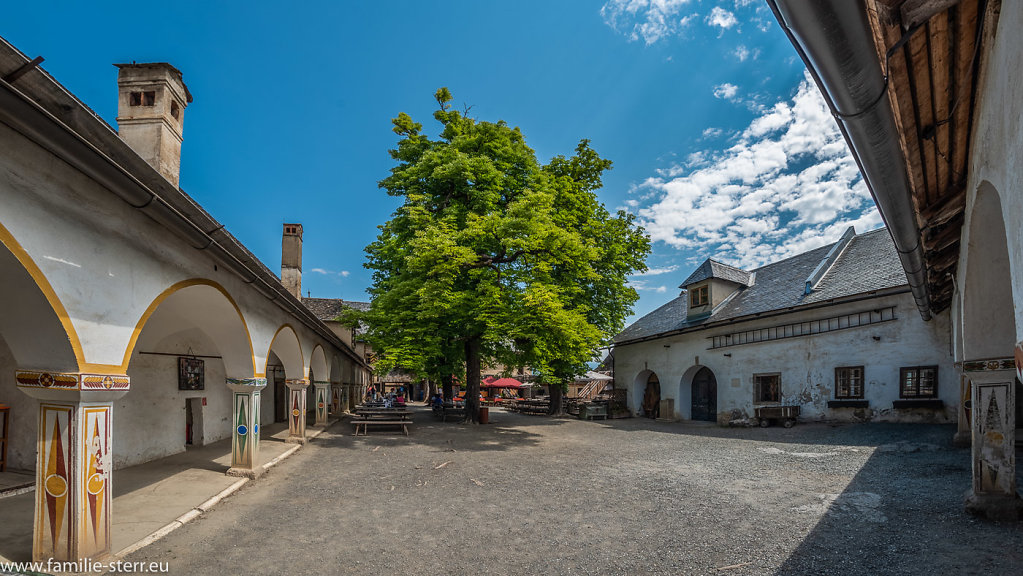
(835, 41)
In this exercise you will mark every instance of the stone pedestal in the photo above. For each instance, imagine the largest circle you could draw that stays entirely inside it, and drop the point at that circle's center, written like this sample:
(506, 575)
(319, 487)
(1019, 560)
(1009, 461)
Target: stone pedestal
(73, 462)
(247, 393)
(321, 394)
(992, 419)
(296, 410)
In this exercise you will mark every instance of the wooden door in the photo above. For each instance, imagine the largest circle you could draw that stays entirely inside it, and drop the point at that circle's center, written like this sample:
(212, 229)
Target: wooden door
(705, 396)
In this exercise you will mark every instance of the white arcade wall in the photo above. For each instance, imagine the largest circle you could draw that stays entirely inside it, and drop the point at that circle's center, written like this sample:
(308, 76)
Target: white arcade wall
(149, 421)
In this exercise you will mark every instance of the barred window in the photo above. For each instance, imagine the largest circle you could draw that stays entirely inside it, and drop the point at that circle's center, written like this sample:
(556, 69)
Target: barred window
(766, 388)
(848, 382)
(918, 382)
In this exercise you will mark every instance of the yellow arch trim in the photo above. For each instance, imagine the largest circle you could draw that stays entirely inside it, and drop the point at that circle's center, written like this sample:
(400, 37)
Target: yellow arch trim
(156, 304)
(322, 351)
(301, 354)
(46, 288)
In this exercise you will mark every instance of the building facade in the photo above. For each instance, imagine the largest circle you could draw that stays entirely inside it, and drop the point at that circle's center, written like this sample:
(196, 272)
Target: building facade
(833, 331)
(133, 323)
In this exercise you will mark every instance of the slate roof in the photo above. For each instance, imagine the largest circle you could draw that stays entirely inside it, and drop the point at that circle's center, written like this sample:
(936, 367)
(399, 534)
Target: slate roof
(714, 269)
(868, 263)
(327, 309)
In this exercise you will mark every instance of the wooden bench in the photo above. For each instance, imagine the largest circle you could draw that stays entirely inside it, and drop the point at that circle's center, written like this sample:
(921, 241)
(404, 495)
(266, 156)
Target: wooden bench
(365, 424)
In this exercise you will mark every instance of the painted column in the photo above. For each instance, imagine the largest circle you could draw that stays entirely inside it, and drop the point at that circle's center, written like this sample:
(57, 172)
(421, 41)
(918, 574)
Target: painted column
(246, 395)
(335, 399)
(296, 410)
(73, 462)
(992, 419)
(321, 392)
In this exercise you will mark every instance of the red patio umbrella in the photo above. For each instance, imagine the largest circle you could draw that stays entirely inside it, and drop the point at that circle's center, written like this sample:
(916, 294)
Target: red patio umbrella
(504, 383)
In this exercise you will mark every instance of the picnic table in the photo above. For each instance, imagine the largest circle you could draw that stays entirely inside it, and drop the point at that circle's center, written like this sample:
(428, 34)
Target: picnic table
(367, 416)
(449, 410)
(536, 406)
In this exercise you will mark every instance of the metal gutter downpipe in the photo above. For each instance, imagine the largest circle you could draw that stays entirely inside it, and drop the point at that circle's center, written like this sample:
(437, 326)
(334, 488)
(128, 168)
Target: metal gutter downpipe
(835, 41)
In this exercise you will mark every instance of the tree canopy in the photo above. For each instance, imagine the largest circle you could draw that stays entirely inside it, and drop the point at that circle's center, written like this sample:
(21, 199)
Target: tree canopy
(495, 257)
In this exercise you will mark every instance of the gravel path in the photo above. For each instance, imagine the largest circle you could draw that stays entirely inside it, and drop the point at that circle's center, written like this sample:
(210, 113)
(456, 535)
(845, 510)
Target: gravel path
(537, 495)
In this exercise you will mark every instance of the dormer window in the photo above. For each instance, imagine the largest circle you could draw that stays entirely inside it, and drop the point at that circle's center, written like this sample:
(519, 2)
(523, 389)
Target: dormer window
(147, 98)
(699, 296)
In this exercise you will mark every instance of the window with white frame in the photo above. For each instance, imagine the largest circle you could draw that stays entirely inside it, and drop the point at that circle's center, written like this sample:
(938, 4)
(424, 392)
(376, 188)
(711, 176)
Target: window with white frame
(849, 383)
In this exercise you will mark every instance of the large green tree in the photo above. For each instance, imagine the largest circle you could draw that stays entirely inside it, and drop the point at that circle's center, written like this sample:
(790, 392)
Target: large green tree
(495, 257)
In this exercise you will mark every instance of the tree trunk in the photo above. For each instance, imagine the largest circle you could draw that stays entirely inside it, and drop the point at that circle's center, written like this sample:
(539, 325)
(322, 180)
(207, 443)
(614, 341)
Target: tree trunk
(557, 398)
(431, 391)
(472, 379)
(447, 387)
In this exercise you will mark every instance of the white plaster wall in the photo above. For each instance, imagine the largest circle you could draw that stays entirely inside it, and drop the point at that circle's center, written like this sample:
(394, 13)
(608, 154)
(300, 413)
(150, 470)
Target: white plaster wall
(997, 145)
(21, 449)
(149, 421)
(807, 364)
(108, 262)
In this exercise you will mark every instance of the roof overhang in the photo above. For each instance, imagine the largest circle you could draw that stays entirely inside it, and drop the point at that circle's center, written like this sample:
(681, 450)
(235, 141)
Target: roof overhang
(900, 77)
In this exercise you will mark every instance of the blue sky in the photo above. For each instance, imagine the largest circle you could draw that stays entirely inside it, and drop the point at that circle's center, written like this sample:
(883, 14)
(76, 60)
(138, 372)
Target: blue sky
(719, 143)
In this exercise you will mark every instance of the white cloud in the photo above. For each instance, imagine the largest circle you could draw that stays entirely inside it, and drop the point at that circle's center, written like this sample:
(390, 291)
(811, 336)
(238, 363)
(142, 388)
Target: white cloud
(645, 286)
(787, 185)
(741, 52)
(658, 271)
(325, 272)
(650, 20)
(726, 91)
(721, 18)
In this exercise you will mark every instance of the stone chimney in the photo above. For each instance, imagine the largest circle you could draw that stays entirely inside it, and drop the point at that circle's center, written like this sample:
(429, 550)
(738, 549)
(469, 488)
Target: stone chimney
(151, 103)
(291, 259)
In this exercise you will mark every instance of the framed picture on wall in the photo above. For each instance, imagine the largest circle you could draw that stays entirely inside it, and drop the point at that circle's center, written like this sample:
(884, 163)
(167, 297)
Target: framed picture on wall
(191, 374)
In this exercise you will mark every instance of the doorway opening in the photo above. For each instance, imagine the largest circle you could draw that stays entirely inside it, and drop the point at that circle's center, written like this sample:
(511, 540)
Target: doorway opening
(705, 396)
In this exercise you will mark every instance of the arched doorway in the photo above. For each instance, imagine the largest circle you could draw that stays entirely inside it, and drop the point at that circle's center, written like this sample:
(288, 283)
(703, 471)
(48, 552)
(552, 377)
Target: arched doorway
(705, 396)
(987, 341)
(275, 377)
(651, 407)
(286, 349)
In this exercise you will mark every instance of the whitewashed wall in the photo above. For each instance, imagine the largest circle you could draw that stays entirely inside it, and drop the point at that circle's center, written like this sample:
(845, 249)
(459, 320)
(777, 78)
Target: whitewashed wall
(21, 448)
(807, 365)
(997, 153)
(149, 421)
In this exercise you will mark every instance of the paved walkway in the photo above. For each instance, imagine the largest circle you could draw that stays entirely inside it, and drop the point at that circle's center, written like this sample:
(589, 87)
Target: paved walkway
(539, 495)
(147, 497)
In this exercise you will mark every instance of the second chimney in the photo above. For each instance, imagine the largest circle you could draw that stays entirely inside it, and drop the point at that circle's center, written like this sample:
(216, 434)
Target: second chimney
(291, 259)
(151, 103)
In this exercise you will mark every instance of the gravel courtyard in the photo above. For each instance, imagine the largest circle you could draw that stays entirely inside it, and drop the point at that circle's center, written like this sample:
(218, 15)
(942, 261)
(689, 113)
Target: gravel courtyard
(538, 495)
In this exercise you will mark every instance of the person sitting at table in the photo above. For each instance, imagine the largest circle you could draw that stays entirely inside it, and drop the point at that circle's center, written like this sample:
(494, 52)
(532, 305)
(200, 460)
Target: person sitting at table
(399, 400)
(438, 400)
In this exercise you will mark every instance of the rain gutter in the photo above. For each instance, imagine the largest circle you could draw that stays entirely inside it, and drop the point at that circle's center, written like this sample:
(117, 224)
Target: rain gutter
(835, 41)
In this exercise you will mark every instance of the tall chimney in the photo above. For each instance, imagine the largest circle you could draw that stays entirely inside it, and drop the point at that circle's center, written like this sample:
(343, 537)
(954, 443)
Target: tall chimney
(151, 103)
(291, 259)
